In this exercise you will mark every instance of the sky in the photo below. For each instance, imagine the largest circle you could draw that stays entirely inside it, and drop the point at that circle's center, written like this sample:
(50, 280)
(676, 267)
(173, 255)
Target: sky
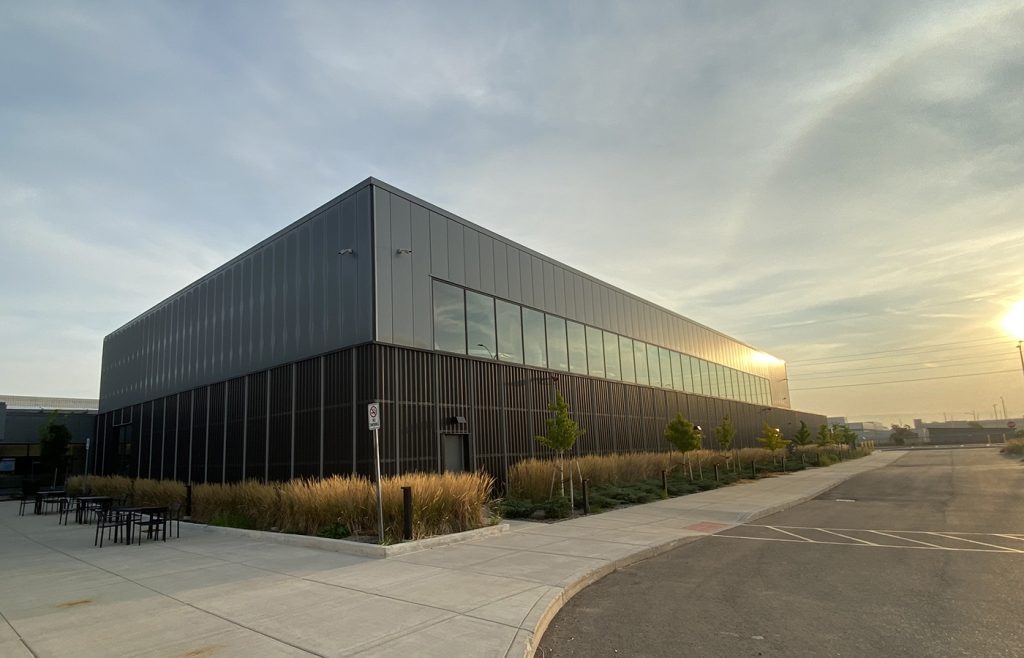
(838, 184)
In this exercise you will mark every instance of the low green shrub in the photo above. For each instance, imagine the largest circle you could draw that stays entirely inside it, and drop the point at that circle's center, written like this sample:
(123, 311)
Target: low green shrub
(1013, 447)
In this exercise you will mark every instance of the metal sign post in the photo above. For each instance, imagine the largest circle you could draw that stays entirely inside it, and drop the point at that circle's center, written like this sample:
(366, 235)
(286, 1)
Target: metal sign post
(373, 418)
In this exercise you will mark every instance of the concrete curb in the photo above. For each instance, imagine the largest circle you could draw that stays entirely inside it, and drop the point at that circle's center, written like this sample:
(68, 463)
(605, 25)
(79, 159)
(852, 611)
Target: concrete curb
(356, 548)
(528, 646)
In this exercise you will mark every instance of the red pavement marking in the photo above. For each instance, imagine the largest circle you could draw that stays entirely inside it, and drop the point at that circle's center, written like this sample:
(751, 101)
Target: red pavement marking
(706, 526)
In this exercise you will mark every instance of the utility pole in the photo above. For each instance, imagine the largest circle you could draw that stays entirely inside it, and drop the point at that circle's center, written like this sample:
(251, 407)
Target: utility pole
(1004, 406)
(995, 416)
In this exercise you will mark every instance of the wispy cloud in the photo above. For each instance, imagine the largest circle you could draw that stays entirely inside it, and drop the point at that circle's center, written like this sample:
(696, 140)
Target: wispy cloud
(811, 179)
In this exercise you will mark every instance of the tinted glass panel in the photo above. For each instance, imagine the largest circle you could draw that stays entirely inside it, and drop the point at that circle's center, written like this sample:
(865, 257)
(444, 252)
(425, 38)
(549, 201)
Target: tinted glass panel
(666, 367)
(595, 352)
(737, 389)
(687, 374)
(705, 377)
(640, 360)
(713, 379)
(653, 365)
(677, 372)
(577, 347)
(611, 356)
(449, 318)
(723, 381)
(510, 332)
(480, 325)
(626, 355)
(534, 349)
(558, 352)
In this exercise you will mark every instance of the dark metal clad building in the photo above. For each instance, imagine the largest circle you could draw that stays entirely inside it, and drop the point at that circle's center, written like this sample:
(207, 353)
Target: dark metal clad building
(263, 368)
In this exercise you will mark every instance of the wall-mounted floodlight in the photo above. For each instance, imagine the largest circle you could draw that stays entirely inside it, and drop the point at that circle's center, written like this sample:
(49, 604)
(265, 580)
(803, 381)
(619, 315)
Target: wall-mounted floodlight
(344, 252)
(403, 251)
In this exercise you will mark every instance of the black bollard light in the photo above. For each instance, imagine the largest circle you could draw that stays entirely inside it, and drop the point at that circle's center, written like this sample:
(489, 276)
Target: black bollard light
(716, 473)
(664, 482)
(188, 501)
(753, 468)
(406, 513)
(586, 496)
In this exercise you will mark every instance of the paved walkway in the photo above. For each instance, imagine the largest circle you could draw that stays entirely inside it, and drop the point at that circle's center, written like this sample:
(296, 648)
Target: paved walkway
(211, 595)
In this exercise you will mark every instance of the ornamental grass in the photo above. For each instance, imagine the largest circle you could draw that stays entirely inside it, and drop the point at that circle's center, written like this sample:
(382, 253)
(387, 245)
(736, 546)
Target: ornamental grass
(339, 505)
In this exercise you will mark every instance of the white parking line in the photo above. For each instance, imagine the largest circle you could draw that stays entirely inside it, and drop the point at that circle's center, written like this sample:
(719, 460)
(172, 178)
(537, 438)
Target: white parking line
(838, 534)
(791, 534)
(879, 532)
(892, 534)
(1013, 550)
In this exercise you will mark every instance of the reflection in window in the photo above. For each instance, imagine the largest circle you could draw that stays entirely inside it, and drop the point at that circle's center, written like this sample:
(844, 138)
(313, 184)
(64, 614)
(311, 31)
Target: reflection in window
(533, 338)
(626, 354)
(510, 332)
(723, 381)
(640, 358)
(449, 319)
(713, 379)
(705, 376)
(737, 389)
(595, 352)
(653, 365)
(577, 347)
(677, 372)
(687, 374)
(666, 367)
(558, 352)
(480, 325)
(611, 356)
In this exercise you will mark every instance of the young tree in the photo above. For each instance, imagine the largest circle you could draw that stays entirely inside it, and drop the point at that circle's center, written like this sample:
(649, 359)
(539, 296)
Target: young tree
(803, 435)
(683, 434)
(54, 439)
(725, 433)
(562, 433)
(845, 435)
(824, 436)
(902, 434)
(771, 438)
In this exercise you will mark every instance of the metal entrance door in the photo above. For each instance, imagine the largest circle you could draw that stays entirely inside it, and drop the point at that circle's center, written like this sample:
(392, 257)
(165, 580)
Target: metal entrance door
(454, 451)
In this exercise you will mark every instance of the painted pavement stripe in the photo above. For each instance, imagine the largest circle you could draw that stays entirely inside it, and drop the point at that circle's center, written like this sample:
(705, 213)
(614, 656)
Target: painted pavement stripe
(1009, 550)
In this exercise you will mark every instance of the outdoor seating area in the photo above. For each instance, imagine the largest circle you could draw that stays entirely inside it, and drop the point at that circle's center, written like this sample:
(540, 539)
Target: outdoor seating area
(117, 520)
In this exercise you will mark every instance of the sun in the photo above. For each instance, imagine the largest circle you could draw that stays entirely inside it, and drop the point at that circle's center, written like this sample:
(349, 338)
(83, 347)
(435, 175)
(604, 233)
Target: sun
(1013, 321)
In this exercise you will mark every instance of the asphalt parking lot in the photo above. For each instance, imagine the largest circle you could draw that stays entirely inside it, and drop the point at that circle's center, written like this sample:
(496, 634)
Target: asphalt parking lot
(924, 557)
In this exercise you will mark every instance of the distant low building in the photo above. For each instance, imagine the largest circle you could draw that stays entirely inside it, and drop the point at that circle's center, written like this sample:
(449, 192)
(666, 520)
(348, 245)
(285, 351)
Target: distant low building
(966, 432)
(865, 430)
(20, 419)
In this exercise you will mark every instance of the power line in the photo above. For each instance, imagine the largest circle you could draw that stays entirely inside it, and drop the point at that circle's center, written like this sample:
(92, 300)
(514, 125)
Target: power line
(901, 349)
(918, 365)
(903, 381)
(889, 354)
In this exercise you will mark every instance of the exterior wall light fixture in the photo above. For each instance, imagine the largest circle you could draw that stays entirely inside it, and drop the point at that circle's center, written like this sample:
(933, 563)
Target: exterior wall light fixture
(403, 251)
(344, 252)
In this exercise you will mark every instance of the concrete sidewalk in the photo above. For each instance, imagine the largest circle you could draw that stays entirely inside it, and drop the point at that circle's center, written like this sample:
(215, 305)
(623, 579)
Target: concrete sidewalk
(211, 595)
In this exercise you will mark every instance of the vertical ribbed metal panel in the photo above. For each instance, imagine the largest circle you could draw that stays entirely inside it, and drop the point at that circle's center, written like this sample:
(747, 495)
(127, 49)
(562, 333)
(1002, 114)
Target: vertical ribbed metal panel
(471, 249)
(456, 253)
(439, 246)
(235, 435)
(501, 274)
(291, 297)
(307, 418)
(422, 310)
(256, 427)
(487, 266)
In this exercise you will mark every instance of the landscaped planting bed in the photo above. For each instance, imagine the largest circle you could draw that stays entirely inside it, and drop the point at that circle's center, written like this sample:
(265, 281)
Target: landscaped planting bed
(336, 506)
(627, 479)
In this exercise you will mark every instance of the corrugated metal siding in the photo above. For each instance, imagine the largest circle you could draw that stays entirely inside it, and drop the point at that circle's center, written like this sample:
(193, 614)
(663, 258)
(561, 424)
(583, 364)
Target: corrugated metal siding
(422, 392)
(288, 298)
(449, 248)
